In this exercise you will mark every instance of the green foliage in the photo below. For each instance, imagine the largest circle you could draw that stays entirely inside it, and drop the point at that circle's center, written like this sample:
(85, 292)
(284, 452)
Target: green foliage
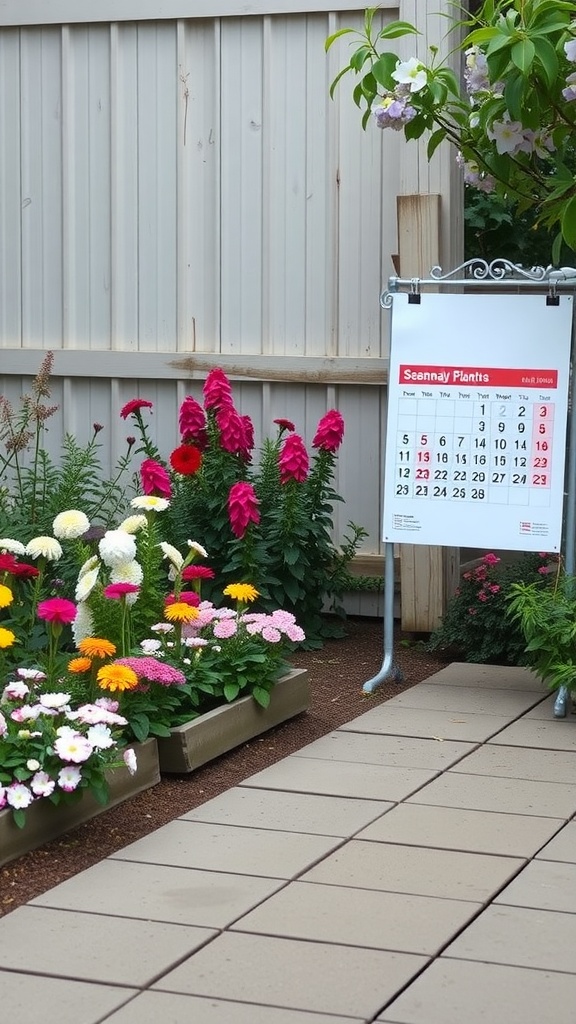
(513, 120)
(546, 615)
(476, 627)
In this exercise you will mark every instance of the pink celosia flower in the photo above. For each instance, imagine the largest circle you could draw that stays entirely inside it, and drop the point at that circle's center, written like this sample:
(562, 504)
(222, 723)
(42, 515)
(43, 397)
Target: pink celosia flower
(116, 591)
(232, 430)
(248, 434)
(155, 479)
(224, 628)
(293, 460)
(192, 420)
(134, 406)
(69, 778)
(154, 671)
(242, 507)
(56, 609)
(329, 432)
(217, 390)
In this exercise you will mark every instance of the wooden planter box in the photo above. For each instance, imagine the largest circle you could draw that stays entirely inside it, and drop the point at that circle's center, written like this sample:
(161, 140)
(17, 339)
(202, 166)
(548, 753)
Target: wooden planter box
(201, 740)
(46, 821)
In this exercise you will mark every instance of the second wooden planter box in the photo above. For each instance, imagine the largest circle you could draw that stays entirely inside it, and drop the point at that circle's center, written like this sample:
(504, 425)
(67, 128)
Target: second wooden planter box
(206, 737)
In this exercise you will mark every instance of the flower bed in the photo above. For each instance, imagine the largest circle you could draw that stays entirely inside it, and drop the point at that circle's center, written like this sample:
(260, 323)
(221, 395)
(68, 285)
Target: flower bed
(201, 740)
(44, 821)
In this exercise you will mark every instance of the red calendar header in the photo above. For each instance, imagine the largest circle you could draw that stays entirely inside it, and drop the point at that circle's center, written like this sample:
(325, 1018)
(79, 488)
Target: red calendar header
(489, 376)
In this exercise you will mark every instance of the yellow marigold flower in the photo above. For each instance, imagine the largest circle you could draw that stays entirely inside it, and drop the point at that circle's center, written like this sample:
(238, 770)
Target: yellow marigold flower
(96, 647)
(79, 665)
(181, 612)
(7, 637)
(241, 592)
(117, 677)
(6, 596)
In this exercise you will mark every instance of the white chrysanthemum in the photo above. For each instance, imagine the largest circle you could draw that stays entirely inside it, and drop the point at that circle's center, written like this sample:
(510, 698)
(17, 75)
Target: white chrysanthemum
(151, 646)
(83, 624)
(117, 546)
(89, 564)
(150, 503)
(71, 524)
(14, 547)
(172, 553)
(133, 523)
(86, 584)
(44, 547)
(195, 546)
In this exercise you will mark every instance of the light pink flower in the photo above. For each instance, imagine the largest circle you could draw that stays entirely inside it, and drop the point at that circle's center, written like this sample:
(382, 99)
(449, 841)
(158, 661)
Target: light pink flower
(491, 559)
(154, 671)
(69, 778)
(15, 691)
(42, 785)
(3, 725)
(72, 746)
(129, 758)
(224, 628)
(18, 796)
(271, 634)
(3, 799)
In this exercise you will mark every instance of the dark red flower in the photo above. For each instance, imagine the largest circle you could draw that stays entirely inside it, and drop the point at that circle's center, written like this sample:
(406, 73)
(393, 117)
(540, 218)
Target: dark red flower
(198, 572)
(186, 596)
(155, 479)
(25, 571)
(242, 507)
(186, 459)
(191, 419)
(8, 563)
(285, 424)
(217, 390)
(293, 461)
(133, 406)
(329, 432)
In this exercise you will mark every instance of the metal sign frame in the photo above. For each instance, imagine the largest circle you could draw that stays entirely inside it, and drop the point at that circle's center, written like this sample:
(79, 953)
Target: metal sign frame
(477, 274)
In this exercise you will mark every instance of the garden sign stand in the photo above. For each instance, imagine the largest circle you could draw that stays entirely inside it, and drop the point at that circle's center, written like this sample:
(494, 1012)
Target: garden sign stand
(477, 453)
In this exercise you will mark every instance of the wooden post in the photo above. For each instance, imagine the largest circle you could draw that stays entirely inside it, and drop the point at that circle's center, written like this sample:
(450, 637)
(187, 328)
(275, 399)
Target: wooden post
(427, 574)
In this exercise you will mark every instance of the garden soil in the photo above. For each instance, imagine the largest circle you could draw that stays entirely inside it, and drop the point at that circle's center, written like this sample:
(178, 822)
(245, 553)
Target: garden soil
(336, 673)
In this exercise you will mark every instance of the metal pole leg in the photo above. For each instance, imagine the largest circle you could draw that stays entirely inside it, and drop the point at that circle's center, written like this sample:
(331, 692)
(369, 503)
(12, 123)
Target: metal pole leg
(561, 702)
(389, 669)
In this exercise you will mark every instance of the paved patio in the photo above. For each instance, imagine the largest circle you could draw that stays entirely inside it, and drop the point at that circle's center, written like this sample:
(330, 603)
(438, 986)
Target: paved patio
(418, 866)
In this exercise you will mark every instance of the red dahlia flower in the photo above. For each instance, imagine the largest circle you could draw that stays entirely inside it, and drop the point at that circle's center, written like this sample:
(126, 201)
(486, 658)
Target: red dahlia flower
(186, 459)
(191, 419)
(293, 461)
(155, 479)
(57, 609)
(242, 508)
(329, 432)
(217, 390)
(133, 406)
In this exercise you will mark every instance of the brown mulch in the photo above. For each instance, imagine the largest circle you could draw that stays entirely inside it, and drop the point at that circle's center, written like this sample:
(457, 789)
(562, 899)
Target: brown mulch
(337, 673)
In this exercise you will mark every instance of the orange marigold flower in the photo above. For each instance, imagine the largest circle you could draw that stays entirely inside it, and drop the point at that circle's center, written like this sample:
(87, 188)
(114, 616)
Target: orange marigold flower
(117, 677)
(79, 665)
(96, 647)
(180, 612)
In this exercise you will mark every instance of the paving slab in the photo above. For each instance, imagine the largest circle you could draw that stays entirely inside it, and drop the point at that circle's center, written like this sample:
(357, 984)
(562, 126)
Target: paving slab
(512, 796)
(553, 734)
(247, 851)
(360, 917)
(93, 947)
(443, 725)
(519, 763)
(448, 874)
(562, 846)
(325, 977)
(457, 828)
(341, 778)
(542, 939)
(63, 1001)
(289, 812)
(153, 892)
(395, 751)
(478, 700)
(151, 1007)
(544, 885)
(463, 673)
(452, 991)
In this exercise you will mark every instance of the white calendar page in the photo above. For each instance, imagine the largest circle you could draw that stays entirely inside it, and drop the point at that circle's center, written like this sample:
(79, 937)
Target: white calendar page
(476, 427)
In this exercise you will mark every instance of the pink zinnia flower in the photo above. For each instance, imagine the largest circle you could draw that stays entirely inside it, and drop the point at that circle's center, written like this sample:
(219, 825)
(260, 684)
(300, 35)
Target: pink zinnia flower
(197, 572)
(191, 419)
(217, 390)
(134, 406)
(116, 591)
(242, 507)
(329, 432)
(232, 430)
(293, 460)
(154, 671)
(155, 479)
(56, 609)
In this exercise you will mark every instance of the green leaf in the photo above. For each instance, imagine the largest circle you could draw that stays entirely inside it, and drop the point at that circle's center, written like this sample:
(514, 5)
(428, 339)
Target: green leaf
(522, 54)
(396, 29)
(568, 223)
(382, 69)
(434, 141)
(547, 58)
(19, 817)
(261, 696)
(231, 691)
(336, 35)
(514, 94)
